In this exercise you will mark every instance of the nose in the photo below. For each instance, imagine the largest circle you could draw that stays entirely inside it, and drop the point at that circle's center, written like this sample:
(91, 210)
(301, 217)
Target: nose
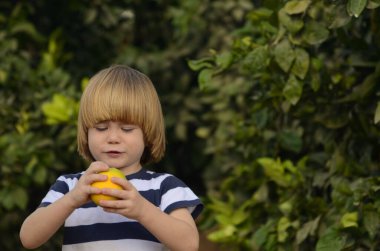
(113, 136)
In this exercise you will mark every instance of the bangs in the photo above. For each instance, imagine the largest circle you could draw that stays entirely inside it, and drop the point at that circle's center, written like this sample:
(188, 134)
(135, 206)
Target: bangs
(114, 104)
(114, 100)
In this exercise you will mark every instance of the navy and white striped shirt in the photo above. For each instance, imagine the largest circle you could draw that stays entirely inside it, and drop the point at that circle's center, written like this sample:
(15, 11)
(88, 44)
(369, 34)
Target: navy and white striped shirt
(90, 228)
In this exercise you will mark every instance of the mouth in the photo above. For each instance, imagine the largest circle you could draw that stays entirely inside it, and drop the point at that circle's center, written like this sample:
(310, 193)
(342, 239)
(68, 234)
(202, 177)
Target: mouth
(113, 153)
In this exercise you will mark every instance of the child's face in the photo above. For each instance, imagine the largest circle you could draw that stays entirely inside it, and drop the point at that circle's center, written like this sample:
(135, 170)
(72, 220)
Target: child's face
(117, 144)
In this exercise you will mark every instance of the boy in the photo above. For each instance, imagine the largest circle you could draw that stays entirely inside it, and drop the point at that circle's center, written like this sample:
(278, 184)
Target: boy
(120, 124)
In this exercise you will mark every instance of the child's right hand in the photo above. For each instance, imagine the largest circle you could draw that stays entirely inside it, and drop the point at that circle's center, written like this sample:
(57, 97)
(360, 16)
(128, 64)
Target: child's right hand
(80, 194)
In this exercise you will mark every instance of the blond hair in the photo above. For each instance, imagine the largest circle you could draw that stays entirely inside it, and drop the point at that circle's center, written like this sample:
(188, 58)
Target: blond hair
(120, 93)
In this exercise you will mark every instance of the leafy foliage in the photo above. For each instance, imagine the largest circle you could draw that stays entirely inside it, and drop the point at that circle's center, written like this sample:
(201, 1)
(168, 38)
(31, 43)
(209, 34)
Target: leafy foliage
(291, 123)
(280, 117)
(29, 148)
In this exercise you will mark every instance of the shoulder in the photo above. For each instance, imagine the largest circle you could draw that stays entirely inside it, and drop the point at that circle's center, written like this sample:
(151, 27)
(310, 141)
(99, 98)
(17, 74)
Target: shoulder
(66, 182)
(171, 191)
(70, 177)
(147, 180)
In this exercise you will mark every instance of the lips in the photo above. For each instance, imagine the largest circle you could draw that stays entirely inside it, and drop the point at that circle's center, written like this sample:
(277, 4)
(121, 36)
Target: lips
(113, 153)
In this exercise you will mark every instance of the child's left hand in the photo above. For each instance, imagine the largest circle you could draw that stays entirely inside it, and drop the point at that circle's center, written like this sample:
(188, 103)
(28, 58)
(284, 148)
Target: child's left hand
(130, 202)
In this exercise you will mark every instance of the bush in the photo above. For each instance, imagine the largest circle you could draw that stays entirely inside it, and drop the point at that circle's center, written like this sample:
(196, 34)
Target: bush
(291, 123)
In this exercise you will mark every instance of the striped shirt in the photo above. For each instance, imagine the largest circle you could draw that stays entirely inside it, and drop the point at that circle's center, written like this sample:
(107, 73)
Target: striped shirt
(90, 228)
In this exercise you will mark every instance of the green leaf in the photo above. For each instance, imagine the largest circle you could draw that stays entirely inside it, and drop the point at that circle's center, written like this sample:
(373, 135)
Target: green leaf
(355, 7)
(293, 25)
(286, 207)
(373, 4)
(371, 221)
(336, 78)
(259, 14)
(6, 199)
(27, 28)
(222, 234)
(13, 196)
(339, 17)
(349, 220)
(20, 197)
(84, 83)
(293, 90)
(40, 175)
(282, 227)
(296, 7)
(301, 63)
(204, 78)
(223, 219)
(257, 59)
(90, 15)
(60, 110)
(307, 229)
(261, 235)
(315, 81)
(220, 206)
(361, 91)
(377, 113)
(181, 130)
(202, 132)
(332, 120)
(224, 60)
(274, 170)
(290, 140)
(239, 216)
(331, 240)
(315, 33)
(31, 165)
(261, 193)
(3, 76)
(197, 65)
(284, 55)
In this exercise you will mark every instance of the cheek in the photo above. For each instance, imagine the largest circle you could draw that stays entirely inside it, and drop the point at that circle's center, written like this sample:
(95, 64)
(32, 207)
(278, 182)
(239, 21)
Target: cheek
(91, 139)
(142, 147)
(140, 143)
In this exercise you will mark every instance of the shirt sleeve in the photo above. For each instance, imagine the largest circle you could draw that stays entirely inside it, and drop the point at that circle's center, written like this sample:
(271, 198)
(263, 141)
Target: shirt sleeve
(61, 186)
(176, 194)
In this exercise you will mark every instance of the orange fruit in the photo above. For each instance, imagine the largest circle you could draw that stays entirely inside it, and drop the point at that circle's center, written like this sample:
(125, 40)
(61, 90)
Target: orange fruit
(112, 172)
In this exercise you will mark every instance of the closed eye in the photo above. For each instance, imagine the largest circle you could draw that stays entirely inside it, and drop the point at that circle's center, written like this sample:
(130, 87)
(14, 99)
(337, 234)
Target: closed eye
(101, 128)
(127, 129)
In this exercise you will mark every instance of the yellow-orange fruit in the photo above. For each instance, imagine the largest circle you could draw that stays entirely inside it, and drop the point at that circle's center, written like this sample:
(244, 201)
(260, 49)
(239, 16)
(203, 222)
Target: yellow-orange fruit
(112, 172)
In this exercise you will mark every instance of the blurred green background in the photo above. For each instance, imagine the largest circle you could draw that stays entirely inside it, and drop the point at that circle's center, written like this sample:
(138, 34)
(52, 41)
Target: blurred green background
(272, 110)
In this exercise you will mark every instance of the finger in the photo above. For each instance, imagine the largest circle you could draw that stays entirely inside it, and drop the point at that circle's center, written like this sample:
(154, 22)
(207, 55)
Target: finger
(94, 190)
(96, 177)
(88, 179)
(97, 166)
(111, 210)
(115, 205)
(117, 193)
(124, 183)
(111, 204)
